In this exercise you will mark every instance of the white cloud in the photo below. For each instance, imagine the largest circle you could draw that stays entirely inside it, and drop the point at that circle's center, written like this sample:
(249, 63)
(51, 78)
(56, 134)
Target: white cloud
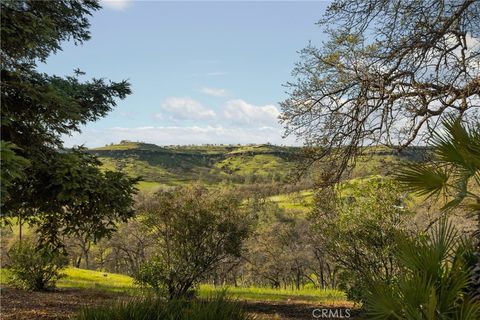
(216, 92)
(118, 5)
(168, 135)
(184, 109)
(237, 122)
(241, 112)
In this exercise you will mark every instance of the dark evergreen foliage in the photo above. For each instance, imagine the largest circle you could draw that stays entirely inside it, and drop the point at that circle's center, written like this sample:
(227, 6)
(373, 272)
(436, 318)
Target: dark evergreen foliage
(55, 189)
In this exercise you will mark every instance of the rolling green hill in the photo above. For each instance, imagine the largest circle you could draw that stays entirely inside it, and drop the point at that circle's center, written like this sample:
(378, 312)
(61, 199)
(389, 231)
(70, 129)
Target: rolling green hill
(237, 164)
(211, 164)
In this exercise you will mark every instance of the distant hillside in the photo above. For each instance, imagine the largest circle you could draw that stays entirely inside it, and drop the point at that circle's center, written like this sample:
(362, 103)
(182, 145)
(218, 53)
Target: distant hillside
(212, 164)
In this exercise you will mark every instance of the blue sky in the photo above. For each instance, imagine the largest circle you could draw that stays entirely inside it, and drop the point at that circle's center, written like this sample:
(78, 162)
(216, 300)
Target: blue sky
(201, 72)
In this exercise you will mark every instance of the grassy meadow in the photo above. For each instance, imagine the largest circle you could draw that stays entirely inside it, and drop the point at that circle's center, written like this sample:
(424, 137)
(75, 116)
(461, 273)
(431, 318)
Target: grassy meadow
(75, 278)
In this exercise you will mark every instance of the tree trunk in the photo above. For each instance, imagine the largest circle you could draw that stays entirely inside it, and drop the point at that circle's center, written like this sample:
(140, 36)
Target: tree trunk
(322, 276)
(334, 284)
(20, 224)
(79, 260)
(297, 279)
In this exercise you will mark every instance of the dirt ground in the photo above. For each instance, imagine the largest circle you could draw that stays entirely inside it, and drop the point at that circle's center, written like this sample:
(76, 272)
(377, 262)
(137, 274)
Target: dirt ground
(289, 310)
(63, 304)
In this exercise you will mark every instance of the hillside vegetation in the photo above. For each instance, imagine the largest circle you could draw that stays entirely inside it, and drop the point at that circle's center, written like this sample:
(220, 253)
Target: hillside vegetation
(237, 164)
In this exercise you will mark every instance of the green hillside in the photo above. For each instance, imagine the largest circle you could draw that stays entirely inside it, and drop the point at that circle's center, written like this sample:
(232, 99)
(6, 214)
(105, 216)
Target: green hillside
(210, 164)
(213, 164)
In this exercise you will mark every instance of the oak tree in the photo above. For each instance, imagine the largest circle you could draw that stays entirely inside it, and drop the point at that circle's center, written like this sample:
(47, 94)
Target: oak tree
(387, 73)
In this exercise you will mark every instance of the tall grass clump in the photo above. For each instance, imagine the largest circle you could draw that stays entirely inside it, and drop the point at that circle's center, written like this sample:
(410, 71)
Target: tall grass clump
(215, 307)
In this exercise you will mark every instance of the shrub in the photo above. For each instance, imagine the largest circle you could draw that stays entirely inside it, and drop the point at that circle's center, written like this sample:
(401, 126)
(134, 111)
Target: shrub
(35, 268)
(195, 230)
(358, 228)
(157, 276)
(217, 307)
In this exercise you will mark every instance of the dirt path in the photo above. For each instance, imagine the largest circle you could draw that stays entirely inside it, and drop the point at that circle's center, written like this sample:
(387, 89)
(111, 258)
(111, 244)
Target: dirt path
(22, 305)
(63, 304)
(293, 310)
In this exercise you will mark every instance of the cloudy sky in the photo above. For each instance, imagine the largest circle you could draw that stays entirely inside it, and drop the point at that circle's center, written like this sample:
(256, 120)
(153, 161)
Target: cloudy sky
(201, 72)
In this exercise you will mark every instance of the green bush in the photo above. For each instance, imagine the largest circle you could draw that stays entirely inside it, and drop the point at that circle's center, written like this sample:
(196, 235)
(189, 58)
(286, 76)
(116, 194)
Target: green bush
(217, 307)
(358, 226)
(35, 268)
(154, 274)
(195, 231)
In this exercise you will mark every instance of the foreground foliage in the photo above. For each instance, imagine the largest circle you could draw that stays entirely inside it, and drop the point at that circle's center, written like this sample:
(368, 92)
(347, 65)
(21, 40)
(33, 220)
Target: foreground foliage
(433, 283)
(216, 307)
(454, 175)
(56, 190)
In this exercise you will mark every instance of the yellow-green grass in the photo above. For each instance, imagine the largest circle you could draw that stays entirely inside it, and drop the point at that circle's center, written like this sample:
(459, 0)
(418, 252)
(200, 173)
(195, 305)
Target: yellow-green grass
(130, 145)
(301, 201)
(324, 296)
(135, 168)
(149, 185)
(118, 283)
(104, 281)
(253, 148)
(4, 276)
(87, 279)
(260, 165)
(203, 149)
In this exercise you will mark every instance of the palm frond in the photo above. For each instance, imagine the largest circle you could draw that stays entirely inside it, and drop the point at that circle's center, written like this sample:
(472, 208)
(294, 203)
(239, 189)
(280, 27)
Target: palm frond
(460, 188)
(419, 297)
(444, 238)
(469, 310)
(459, 145)
(423, 179)
(383, 303)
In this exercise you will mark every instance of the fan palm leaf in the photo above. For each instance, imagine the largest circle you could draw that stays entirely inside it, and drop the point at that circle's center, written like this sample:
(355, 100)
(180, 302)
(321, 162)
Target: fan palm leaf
(436, 275)
(456, 163)
(459, 146)
(423, 179)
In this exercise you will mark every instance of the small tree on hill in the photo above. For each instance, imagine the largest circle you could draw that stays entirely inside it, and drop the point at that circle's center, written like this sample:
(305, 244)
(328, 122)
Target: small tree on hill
(195, 230)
